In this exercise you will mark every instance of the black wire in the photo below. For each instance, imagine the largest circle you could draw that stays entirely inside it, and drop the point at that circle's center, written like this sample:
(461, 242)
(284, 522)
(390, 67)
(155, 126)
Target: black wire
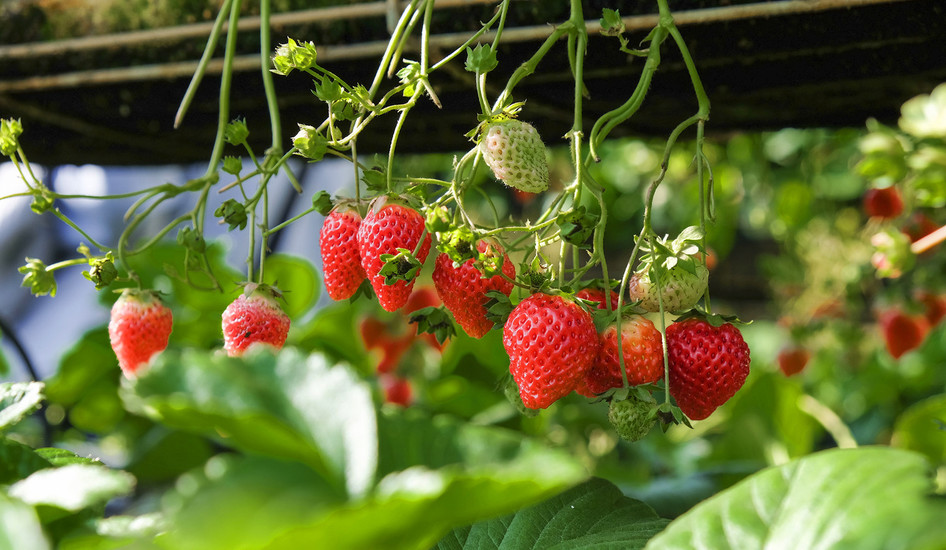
(47, 429)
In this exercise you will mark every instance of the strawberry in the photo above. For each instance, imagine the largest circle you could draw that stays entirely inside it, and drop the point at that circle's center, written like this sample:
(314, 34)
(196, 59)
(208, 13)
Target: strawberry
(918, 226)
(884, 203)
(934, 306)
(254, 318)
(596, 295)
(681, 290)
(792, 359)
(139, 328)
(632, 418)
(551, 342)
(707, 365)
(386, 228)
(902, 332)
(671, 273)
(397, 390)
(643, 356)
(516, 154)
(463, 288)
(341, 262)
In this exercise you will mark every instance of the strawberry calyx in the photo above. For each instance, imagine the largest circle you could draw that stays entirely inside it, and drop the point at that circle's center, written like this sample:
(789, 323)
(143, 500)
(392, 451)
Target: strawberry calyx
(714, 319)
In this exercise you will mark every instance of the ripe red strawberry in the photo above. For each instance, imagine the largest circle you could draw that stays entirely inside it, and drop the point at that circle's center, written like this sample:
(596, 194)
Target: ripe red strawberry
(254, 317)
(902, 332)
(707, 365)
(597, 295)
(397, 390)
(463, 289)
(643, 356)
(341, 262)
(139, 328)
(551, 342)
(386, 228)
(884, 203)
(792, 359)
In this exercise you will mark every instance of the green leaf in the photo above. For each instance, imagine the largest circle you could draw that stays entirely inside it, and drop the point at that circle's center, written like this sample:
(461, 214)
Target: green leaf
(244, 502)
(72, 487)
(480, 60)
(922, 428)
(297, 280)
(18, 461)
(19, 526)
(17, 400)
(287, 406)
(867, 498)
(594, 514)
(63, 457)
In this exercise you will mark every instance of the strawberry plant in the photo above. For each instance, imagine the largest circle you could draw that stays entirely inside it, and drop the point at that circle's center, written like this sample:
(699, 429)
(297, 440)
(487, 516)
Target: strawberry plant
(261, 421)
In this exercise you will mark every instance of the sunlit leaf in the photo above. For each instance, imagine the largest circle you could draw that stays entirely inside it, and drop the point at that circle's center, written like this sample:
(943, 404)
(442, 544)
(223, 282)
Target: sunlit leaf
(867, 498)
(285, 405)
(19, 526)
(72, 487)
(17, 400)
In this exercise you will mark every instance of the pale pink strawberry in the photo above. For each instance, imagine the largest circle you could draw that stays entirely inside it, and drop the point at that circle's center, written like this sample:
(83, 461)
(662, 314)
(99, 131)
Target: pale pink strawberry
(254, 318)
(139, 328)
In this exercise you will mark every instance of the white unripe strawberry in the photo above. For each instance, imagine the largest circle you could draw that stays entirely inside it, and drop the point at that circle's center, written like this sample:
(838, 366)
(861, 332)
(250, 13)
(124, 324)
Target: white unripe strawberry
(516, 154)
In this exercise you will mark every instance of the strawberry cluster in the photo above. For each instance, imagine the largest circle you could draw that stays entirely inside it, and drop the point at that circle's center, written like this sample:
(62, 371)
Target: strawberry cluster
(140, 325)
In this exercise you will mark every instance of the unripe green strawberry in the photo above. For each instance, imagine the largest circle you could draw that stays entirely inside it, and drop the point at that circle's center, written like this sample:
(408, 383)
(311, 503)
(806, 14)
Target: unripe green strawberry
(643, 357)
(385, 229)
(516, 154)
(680, 289)
(254, 318)
(463, 289)
(707, 365)
(139, 328)
(632, 418)
(341, 261)
(551, 342)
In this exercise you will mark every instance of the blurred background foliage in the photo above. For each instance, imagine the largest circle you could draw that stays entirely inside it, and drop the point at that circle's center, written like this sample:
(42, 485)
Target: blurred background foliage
(795, 253)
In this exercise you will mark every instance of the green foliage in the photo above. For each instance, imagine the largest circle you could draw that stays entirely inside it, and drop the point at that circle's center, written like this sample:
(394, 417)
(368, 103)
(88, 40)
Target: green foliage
(594, 514)
(865, 498)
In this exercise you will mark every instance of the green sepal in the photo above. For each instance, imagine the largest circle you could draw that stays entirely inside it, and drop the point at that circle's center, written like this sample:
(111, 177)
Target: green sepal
(102, 270)
(434, 320)
(10, 130)
(498, 307)
(232, 213)
(38, 278)
(310, 143)
(577, 226)
(236, 132)
(403, 266)
(232, 165)
(480, 60)
(191, 239)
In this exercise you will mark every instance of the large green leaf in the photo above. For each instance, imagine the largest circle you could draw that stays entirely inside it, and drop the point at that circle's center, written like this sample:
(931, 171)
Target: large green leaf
(19, 526)
(18, 399)
(922, 428)
(864, 499)
(285, 405)
(72, 487)
(257, 502)
(593, 515)
(18, 461)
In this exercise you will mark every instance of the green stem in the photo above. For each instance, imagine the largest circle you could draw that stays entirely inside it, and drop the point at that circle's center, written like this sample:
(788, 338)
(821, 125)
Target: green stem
(65, 219)
(203, 63)
(226, 81)
(268, 86)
